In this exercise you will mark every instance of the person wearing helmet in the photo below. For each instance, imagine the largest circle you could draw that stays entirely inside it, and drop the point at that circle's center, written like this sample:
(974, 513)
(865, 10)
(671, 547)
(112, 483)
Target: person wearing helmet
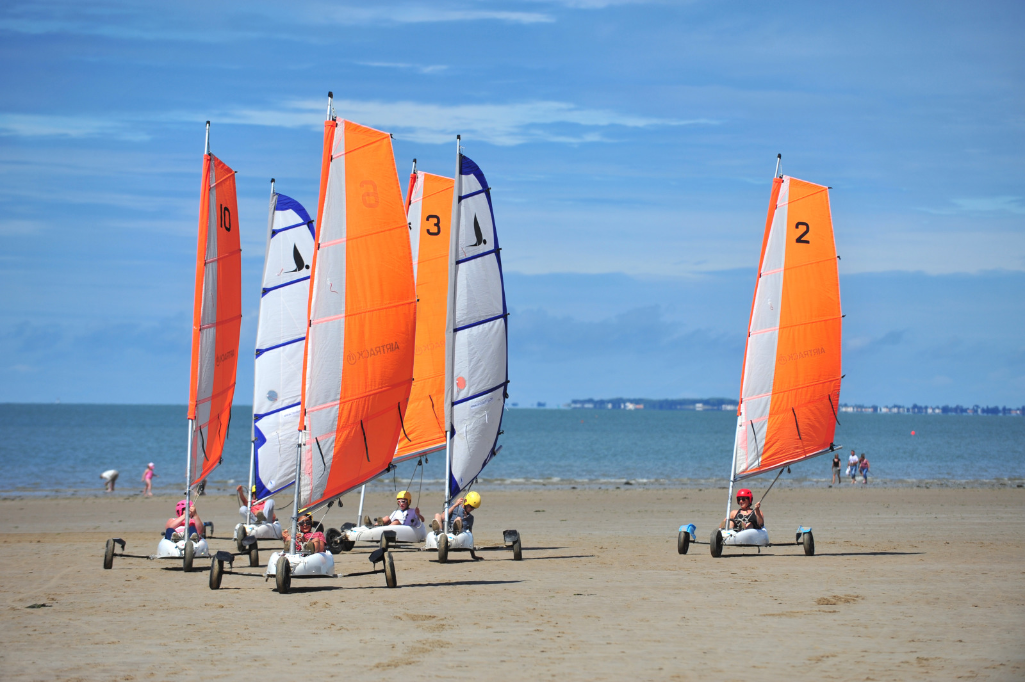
(461, 513)
(747, 516)
(306, 539)
(404, 515)
(263, 511)
(175, 528)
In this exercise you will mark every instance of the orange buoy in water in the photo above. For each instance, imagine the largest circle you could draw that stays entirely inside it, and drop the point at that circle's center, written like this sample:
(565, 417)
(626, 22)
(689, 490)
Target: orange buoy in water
(912, 433)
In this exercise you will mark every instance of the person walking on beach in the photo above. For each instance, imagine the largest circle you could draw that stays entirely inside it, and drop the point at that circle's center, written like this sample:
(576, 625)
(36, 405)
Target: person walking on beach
(109, 479)
(147, 478)
(863, 468)
(836, 470)
(852, 467)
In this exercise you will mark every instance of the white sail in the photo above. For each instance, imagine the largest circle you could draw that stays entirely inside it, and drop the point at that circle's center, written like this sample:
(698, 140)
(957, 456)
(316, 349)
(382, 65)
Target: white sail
(477, 370)
(279, 344)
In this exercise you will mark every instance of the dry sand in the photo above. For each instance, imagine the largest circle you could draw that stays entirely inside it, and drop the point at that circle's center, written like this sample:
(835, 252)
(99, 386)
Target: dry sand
(906, 584)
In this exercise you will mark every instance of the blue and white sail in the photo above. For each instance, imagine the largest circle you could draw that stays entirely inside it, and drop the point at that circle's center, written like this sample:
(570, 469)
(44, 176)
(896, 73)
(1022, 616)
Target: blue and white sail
(477, 370)
(280, 334)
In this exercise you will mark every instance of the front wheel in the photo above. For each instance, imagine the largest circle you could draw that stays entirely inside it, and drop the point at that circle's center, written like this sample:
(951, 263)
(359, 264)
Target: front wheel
(809, 544)
(283, 575)
(216, 571)
(715, 543)
(384, 542)
(389, 571)
(442, 548)
(683, 542)
(517, 550)
(190, 555)
(240, 535)
(108, 555)
(254, 555)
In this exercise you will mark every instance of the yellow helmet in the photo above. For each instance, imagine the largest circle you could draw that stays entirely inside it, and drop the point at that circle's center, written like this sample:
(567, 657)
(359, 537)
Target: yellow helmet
(472, 499)
(404, 495)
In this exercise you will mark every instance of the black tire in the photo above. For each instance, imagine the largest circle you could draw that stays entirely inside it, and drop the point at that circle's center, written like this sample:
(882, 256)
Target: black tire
(283, 575)
(442, 548)
(333, 537)
(715, 543)
(216, 571)
(517, 549)
(108, 555)
(384, 542)
(240, 535)
(389, 571)
(254, 555)
(809, 544)
(190, 555)
(683, 542)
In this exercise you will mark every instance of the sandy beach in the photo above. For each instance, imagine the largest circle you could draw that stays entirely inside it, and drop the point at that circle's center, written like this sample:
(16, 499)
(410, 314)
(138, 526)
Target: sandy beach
(906, 584)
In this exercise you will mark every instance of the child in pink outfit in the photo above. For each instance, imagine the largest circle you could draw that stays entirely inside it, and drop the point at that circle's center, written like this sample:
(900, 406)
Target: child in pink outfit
(147, 478)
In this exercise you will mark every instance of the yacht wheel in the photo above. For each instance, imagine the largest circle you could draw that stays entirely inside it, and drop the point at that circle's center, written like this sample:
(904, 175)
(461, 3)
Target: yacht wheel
(108, 554)
(517, 549)
(190, 555)
(240, 535)
(254, 555)
(216, 571)
(809, 544)
(389, 571)
(442, 548)
(715, 543)
(683, 542)
(283, 575)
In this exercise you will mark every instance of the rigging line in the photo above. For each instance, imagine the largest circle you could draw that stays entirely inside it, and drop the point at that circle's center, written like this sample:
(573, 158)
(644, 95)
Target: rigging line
(418, 490)
(834, 410)
(794, 412)
(419, 463)
(398, 406)
(772, 484)
(366, 449)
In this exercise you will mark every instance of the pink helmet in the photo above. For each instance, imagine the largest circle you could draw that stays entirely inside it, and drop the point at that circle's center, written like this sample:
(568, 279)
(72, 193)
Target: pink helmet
(180, 507)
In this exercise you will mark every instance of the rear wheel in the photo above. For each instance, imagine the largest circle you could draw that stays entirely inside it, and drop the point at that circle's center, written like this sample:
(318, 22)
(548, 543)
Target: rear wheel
(190, 555)
(389, 571)
(683, 542)
(240, 535)
(809, 544)
(283, 575)
(384, 542)
(254, 555)
(333, 537)
(442, 548)
(108, 555)
(216, 570)
(715, 543)
(517, 550)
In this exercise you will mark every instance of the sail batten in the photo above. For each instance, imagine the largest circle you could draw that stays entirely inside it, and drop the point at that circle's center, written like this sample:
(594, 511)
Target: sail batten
(792, 363)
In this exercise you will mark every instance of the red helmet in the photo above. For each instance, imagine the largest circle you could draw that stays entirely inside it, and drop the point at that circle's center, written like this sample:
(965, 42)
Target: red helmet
(744, 492)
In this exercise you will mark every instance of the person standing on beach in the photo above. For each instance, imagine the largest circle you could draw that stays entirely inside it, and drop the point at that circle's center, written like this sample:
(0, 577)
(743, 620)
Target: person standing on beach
(836, 470)
(109, 479)
(863, 468)
(147, 478)
(852, 467)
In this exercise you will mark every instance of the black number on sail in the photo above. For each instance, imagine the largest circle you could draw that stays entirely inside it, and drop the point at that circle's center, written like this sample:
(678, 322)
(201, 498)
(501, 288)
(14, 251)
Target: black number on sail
(225, 218)
(437, 225)
(801, 237)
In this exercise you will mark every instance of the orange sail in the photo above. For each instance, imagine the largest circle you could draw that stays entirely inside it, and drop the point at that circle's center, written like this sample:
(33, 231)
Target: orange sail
(429, 214)
(790, 388)
(358, 364)
(216, 317)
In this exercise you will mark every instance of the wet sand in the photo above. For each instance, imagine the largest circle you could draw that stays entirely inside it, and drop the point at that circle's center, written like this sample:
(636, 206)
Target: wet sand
(905, 584)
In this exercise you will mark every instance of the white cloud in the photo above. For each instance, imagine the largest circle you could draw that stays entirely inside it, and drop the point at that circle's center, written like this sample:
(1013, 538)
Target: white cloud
(48, 125)
(419, 68)
(980, 205)
(500, 124)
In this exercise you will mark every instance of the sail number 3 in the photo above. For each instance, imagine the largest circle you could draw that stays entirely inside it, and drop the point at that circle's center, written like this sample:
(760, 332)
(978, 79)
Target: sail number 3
(437, 225)
(801, 237)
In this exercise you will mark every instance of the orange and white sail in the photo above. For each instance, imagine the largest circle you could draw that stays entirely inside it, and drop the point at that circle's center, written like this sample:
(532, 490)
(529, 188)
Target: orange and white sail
(429, 215)
(358, 360)
(216, 318)
(790, 388)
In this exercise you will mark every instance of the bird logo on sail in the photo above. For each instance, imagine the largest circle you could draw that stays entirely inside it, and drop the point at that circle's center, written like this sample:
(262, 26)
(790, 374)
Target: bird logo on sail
(300, 264)
(477, 233)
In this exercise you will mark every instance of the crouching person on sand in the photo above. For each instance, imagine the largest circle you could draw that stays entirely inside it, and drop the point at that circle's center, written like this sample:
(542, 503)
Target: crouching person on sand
(461, 513)
(305, 539)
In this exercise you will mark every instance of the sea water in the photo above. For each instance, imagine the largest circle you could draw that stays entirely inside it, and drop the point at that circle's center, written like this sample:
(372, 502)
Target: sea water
(62, 449)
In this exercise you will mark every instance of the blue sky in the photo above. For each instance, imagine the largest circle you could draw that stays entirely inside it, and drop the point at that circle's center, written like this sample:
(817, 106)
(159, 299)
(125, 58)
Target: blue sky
(630, 146)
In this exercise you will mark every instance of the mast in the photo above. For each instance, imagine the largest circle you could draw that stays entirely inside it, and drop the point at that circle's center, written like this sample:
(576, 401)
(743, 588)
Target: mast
(779, 166)
(450, 328)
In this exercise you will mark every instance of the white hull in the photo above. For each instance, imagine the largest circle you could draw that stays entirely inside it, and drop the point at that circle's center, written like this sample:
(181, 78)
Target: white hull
(317, 565)
(751, 537)
(176, 550)
(402, 533)
(261, 531)
(462, 541)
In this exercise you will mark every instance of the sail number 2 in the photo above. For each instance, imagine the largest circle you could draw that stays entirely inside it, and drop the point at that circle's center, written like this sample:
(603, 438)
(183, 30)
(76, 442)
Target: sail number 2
(801, 237)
